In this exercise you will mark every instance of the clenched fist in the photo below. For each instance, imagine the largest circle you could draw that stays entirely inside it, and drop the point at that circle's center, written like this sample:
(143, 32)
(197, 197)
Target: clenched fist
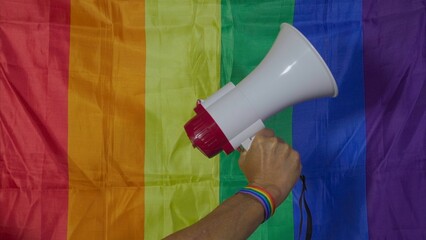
(272, 164)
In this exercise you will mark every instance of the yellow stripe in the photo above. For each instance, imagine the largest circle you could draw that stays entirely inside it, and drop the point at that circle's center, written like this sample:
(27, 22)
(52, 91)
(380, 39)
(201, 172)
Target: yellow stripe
(266, 195)
(183, 58)
(106, 120)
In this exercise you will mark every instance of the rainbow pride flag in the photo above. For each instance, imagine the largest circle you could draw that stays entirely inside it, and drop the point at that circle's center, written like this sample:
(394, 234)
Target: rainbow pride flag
(94, 96)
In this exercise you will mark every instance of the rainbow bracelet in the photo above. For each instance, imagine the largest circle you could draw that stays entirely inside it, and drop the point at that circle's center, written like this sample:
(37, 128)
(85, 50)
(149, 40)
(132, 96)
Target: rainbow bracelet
(263, 197)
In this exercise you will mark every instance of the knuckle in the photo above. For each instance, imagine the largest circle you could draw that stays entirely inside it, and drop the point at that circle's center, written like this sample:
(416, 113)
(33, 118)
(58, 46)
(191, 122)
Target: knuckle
(267, 140)
(295, 158)
(296, 155)
(258, 140)
(274, 140)
(275, 143)
(268, 131)
(265, 133)
(285, 146)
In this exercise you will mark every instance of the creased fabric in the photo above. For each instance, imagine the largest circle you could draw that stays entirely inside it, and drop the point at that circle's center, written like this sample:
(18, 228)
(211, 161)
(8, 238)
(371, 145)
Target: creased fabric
(395, 107)
(94, 96)
(330, 133)
(34, 40)
(106, 129)
(183, 56)
(249, 29)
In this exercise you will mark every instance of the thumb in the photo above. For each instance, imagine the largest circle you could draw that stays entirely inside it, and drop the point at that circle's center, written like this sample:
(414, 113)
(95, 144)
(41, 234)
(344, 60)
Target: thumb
(242, 158)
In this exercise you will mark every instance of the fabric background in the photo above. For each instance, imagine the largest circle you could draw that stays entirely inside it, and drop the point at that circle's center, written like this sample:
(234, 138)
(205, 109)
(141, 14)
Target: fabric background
(94, 96)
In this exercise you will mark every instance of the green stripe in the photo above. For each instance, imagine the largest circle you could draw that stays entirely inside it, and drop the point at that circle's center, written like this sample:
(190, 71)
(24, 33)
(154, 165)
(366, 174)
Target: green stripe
(248, 30)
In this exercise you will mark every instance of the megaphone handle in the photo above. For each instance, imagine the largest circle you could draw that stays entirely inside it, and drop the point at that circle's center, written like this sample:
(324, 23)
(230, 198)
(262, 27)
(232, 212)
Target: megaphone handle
(245, 146)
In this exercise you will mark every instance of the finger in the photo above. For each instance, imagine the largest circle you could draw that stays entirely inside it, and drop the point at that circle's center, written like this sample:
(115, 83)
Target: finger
(294, 155)
(242, 158)
(294, 158)
(265, 133)
(284, 149)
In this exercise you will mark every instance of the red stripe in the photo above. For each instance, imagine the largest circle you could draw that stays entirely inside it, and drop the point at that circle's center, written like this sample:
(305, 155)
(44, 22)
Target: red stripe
(34, 50)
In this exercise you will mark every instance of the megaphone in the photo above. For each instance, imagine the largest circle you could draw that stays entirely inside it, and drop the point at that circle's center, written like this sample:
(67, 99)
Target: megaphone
(292, 72)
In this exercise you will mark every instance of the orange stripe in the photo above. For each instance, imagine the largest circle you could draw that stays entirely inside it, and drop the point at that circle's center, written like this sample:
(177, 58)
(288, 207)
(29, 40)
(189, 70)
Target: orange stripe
(266, 194)
(106, 120)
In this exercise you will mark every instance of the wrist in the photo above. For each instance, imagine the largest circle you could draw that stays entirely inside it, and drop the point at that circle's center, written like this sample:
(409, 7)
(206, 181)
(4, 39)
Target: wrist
(277, 194)
(263, 197)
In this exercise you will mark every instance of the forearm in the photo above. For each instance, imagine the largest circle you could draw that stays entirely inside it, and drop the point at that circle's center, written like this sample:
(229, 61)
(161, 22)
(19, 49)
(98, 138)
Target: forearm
(272, 168)
(236, 218)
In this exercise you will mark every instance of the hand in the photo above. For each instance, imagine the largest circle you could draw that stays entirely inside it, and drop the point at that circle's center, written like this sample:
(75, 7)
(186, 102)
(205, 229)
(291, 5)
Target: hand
(271, 164)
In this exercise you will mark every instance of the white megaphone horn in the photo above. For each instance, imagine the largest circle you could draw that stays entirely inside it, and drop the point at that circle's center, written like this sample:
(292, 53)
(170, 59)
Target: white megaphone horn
(292, 72)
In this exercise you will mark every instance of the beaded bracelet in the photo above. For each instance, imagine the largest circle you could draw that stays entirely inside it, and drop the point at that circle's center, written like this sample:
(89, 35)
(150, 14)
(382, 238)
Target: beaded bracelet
(263, 197)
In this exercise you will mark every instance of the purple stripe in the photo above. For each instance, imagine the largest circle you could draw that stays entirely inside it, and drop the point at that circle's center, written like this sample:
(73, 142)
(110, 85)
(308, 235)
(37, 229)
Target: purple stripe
(261, 200)
(395, 91)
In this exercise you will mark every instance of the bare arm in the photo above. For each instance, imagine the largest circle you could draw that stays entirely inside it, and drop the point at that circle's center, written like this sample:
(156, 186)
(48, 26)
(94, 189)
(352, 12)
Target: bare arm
(271, 164)
(236, 218)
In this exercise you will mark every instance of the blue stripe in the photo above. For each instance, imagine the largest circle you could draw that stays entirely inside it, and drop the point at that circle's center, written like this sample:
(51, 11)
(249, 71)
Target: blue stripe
(330, 133)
